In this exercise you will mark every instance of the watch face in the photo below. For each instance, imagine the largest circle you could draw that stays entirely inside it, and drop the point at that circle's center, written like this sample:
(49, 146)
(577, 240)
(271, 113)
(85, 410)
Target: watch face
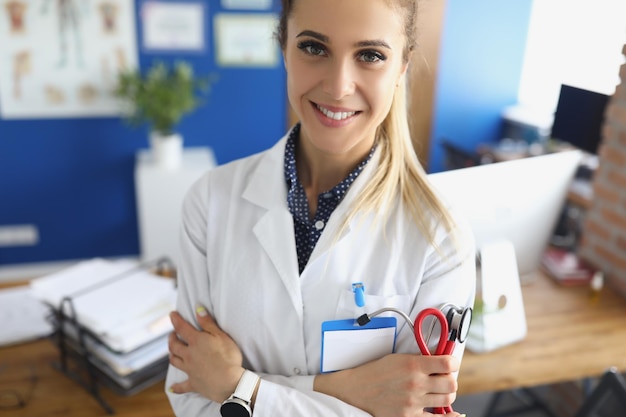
(235, 408)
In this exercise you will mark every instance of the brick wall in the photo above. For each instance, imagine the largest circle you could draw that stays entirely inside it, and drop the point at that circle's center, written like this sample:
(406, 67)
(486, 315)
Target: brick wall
(604, 229)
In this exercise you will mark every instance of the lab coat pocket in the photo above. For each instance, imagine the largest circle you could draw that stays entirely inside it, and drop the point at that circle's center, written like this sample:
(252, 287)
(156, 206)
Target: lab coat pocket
(347, 307)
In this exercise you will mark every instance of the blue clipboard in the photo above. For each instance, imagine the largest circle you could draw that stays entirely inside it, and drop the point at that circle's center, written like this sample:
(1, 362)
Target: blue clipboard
(345, 344)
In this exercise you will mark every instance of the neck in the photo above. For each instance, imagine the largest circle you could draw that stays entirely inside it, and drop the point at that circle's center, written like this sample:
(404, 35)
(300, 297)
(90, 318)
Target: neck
(320, 174)
(319, 171)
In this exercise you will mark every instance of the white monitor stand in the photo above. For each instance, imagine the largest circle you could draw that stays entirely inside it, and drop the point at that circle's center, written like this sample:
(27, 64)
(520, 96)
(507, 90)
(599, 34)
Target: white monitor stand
(499, 318)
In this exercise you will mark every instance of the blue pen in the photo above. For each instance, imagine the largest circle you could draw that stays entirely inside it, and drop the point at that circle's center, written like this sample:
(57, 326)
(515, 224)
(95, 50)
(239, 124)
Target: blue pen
(359, 294)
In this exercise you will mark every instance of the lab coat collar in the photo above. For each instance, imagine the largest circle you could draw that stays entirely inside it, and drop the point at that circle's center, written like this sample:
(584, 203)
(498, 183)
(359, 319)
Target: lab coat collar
(269, 171)
(274, 229)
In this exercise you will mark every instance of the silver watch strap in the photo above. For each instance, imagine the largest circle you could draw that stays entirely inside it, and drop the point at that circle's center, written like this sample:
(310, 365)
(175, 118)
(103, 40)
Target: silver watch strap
(247, 384)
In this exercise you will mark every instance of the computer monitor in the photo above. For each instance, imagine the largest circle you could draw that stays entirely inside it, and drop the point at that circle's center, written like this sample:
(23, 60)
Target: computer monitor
(519, 201)
(578, 118)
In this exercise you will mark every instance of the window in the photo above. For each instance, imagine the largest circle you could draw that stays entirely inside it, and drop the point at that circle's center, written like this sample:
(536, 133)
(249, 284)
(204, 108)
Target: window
(574, 42)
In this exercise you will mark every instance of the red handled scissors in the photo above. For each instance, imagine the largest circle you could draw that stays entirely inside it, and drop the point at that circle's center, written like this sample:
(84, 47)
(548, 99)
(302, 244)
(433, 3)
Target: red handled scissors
(445, 346)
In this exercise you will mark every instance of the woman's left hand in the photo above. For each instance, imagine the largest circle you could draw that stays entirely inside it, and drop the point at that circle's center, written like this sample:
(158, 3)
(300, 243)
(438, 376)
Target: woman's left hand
(209, 357)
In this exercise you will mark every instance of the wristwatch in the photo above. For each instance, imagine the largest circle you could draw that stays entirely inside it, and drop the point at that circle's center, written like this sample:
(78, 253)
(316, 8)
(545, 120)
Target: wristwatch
(238, 404)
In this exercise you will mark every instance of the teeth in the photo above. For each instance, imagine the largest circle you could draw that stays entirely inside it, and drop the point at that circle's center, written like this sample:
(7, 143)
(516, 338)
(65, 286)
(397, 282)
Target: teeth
(336, 116)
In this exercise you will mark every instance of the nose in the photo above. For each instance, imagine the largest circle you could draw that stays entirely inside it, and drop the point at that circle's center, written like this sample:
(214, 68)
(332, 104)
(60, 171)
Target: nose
(340, 79)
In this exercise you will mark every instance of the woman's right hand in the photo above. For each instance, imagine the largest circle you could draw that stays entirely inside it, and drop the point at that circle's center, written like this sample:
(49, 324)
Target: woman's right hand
(397, 385)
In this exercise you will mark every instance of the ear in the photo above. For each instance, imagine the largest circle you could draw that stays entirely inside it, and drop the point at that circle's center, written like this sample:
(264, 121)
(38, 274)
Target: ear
(403, 71)
(402, 75)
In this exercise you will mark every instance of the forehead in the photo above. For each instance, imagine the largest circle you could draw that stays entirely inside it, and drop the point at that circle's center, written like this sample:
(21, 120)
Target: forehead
(349, 20)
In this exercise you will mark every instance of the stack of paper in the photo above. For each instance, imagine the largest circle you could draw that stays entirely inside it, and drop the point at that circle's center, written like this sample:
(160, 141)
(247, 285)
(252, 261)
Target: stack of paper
(123, 305)
(23, 317)
(123, 308)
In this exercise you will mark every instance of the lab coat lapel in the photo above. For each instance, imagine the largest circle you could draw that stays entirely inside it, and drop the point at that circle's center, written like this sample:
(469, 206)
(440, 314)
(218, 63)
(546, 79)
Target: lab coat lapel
(329, 236)
(274, 228)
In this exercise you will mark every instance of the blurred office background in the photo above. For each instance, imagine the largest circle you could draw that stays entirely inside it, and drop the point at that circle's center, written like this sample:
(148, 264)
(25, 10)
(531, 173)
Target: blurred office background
(72, 181)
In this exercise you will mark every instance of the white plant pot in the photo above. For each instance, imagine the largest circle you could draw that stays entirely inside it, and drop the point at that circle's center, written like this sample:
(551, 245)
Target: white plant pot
(167, 151)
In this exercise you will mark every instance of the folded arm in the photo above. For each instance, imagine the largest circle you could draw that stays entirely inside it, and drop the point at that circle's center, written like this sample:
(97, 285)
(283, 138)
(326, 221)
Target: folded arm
(395, 385)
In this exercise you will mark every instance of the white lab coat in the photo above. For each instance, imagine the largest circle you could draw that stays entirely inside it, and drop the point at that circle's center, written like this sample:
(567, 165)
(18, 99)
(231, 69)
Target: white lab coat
(239, 260)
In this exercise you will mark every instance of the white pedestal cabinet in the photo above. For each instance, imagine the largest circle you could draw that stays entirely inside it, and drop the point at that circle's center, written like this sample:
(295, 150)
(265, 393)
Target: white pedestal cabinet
(160, 192)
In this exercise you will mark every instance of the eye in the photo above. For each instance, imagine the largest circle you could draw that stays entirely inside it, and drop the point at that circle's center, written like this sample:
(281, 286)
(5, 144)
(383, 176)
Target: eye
(371, 56)
(312, 48)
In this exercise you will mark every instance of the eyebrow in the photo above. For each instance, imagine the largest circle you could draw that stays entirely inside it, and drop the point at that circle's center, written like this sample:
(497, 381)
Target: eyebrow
(313, 34)
(360, 44)
(379, 43)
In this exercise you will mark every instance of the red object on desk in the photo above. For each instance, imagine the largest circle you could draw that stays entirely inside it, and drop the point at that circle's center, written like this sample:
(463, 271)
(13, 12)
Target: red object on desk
(566, 267)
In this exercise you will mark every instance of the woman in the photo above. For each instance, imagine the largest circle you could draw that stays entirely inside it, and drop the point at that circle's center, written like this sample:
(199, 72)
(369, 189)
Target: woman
(273, 243)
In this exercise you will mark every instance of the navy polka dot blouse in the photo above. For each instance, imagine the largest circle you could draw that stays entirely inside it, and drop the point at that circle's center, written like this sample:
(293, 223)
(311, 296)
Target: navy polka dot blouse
(308, 231)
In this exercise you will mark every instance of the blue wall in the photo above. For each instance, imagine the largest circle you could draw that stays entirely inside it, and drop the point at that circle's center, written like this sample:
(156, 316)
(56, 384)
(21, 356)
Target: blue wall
(480, 64)
(74, 178)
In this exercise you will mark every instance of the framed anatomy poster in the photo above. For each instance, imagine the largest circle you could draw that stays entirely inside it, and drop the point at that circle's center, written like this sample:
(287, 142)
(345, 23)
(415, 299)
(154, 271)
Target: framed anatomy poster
(60, 58)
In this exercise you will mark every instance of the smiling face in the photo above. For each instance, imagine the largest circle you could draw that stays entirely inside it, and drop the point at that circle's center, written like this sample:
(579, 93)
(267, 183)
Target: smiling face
(344, 60)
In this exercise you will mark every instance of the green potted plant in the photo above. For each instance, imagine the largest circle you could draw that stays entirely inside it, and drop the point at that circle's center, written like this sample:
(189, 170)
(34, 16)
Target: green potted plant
(160, 98)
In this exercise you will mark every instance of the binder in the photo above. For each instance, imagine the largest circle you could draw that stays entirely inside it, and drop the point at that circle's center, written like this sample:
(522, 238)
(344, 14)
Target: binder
(87, 352)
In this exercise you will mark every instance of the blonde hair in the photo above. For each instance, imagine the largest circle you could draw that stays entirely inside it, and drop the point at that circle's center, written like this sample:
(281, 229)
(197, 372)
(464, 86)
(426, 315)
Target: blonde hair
(399, 174)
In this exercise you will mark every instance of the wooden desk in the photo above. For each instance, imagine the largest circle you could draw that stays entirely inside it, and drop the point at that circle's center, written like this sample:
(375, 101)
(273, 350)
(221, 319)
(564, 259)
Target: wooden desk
(568, 339)
(55, 394)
